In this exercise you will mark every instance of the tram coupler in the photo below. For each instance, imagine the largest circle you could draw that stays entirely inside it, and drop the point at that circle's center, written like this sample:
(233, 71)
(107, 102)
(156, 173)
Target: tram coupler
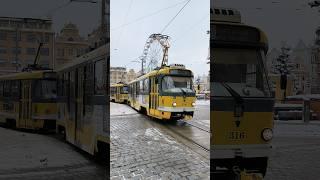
(250, 176)
(244, 175)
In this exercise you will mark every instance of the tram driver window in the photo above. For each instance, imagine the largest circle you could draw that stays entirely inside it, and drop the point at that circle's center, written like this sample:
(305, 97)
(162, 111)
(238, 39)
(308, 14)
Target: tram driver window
(98, 78)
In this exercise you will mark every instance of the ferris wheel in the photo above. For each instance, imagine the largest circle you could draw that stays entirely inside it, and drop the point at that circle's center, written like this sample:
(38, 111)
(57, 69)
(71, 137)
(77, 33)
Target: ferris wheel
(155, 53)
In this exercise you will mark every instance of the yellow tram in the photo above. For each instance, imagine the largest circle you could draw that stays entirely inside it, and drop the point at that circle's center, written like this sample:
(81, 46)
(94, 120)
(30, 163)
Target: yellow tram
(83, 115)
(165, 93)
(28, 100)
(241, 102)
(119, 93)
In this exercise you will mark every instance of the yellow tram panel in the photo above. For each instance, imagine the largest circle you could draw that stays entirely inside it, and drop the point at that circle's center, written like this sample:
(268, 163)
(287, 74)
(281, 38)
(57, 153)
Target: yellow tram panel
(251, 126)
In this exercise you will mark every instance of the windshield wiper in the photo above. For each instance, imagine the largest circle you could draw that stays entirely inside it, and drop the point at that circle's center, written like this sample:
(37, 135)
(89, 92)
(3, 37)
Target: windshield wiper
(184, 92)
(236, 96)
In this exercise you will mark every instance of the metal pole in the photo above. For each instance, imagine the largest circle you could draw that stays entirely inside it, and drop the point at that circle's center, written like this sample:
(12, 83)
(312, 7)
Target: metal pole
(103, 22)
(306, 110)
(16, 53)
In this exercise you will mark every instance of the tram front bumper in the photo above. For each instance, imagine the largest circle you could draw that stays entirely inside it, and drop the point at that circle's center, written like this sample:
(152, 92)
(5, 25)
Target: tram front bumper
(245, 151)
(176, 109)
(185, 113)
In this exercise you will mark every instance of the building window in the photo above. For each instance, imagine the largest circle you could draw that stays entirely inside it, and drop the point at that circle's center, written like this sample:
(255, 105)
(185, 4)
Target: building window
(16, 50)
(31, 25)
(47, 38)
(2, 61)
(3, 35)
(31, 51)
(44, 51)
(79, 52)
(16, 36)
(3, 50)
(31, 38)
(70, 51)
(4, 23)
(60, 52)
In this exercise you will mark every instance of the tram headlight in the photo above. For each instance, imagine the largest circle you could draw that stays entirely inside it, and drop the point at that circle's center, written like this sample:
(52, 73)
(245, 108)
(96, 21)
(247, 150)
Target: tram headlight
(174, 104)
(267, 134)
(193, 104)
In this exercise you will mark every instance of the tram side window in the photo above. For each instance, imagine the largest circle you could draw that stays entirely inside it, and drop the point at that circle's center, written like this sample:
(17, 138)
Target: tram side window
(141, 86)
(1, 88)
(112, 90)
(61, 85)
(88, 81)
(98, 78)
(146, 85)
(15, 88)
(6, 89)
(129, 89)
(137, 88)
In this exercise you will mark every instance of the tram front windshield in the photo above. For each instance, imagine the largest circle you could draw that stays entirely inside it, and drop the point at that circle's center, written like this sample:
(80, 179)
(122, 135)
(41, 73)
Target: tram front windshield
(240, 69)
(45, 89)
(176, 84)
(125, 90)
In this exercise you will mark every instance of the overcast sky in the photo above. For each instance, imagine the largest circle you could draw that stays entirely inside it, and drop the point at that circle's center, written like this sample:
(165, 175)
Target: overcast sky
(188, 32)
(85, 15)
(282, 20)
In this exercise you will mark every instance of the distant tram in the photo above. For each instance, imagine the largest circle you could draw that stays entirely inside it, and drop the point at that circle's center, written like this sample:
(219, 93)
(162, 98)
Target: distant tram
(119, 93)
(241, 101)
(166, 93)
(83, 103)
(28, 100)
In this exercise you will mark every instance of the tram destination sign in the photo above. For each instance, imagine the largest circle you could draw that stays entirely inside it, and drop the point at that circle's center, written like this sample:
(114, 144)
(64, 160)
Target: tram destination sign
(180, 72)
(232, 33)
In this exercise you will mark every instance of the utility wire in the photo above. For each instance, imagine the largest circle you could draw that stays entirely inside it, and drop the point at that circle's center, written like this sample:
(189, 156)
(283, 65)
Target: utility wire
(165, 27)
(149, 15)
(50, 12)
(124, 21)
(191, 28)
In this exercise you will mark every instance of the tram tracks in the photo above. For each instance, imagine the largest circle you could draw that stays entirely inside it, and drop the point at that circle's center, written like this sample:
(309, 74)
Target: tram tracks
(195, 137)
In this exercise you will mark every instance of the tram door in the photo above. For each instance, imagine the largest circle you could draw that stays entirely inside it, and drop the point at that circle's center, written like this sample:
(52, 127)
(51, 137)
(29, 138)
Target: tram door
(72, 106)
(118, 94)
(134, 93)
(79, 103)
(25, 108)
(153, 97)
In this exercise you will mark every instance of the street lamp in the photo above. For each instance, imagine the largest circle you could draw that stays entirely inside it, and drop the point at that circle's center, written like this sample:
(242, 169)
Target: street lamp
(103, 25)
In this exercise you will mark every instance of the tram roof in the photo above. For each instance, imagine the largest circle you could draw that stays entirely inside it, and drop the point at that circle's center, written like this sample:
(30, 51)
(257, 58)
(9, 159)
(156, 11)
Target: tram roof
(99, 52)
(165, 70)
(38, 74)
(237, 22)
(118, 85)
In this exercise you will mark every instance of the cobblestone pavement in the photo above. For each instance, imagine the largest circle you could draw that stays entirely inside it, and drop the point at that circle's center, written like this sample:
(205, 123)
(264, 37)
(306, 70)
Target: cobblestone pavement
(140, 150)
(25, 155)
(296, 152)
(202, 114)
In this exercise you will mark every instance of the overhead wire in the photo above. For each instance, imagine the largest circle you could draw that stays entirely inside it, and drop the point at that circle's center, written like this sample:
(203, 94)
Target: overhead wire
(51, 11)
(148, 15)
(174, 17)
(124, 20)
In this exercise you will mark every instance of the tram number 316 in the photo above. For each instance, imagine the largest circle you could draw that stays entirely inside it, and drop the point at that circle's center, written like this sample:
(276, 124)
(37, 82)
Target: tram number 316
(237, 135)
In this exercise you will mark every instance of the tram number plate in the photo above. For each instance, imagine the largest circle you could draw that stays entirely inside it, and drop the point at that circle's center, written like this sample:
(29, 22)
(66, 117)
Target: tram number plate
(237, 135)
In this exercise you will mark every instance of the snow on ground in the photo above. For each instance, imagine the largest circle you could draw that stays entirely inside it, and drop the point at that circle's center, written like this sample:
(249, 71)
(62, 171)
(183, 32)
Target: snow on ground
(117, 109)
(203, 102)
(29, 150)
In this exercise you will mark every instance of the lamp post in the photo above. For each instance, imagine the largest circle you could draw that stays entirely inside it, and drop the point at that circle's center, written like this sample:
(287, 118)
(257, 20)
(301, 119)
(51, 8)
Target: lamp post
(103, 23)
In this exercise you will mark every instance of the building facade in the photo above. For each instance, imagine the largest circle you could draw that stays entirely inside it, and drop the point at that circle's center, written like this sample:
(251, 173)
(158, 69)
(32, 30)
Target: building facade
(19, 41)
(131, 75)
(118, 74)
(69, 45)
